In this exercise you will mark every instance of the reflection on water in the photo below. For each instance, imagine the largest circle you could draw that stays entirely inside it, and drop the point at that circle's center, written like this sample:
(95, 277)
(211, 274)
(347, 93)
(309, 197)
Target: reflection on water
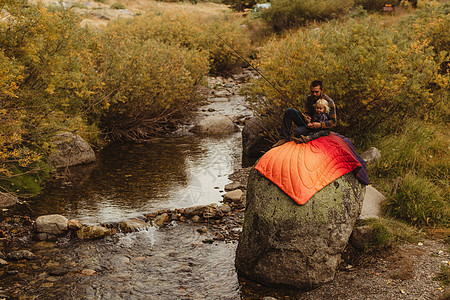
(131, 179)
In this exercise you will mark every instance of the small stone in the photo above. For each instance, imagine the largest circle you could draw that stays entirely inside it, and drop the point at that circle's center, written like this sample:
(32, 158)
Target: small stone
(225, 209)
(3, 262)
(132, 225)
(233, 186)
(161, 219)
(202, 229)
(47, 284)
(88, 272)
(92, 232)
(196, 219)
(74, 224)
(51, 224)
(233, 196)
(21, 254)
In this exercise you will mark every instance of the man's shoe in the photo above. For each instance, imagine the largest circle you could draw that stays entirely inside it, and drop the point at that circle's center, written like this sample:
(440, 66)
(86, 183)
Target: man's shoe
(279, 143)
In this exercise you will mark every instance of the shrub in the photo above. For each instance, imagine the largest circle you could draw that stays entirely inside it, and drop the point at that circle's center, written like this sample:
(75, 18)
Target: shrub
(118, 6)
(375, 5)
(419, 202)
(285, 14)
(377, 76)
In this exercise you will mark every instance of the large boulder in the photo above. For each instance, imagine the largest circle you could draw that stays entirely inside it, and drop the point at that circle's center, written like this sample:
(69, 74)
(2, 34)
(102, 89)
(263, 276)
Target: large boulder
(254, 138)
(283, 243)
(70, 150)
(216, 124)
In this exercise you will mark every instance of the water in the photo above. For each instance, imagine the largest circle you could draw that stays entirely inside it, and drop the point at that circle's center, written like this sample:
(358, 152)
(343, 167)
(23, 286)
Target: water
(131, 179)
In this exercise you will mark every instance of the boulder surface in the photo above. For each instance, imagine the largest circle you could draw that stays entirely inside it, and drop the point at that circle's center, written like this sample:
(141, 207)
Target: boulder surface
(283, 243)
(70, 150)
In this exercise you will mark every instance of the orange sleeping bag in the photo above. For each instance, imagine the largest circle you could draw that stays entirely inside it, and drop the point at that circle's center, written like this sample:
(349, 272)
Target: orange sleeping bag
(301, 170)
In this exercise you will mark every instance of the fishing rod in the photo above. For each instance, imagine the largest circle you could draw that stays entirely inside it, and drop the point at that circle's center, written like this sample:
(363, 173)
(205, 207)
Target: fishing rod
(264, 77)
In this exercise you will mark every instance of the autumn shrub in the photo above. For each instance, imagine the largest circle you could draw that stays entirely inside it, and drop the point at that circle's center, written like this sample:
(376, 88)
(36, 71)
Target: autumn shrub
(285, 14)
(377, 76)
(195, 31)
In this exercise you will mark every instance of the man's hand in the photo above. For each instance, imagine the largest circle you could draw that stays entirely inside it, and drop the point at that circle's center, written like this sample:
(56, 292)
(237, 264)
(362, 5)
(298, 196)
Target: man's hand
(315, 125)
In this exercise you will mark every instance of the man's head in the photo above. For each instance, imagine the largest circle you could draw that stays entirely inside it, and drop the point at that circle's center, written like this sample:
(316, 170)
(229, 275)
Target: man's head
(316, 89)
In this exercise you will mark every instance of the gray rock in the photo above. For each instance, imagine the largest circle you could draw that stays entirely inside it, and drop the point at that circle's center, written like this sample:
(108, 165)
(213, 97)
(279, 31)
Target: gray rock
(51, 224)
(372, 204)
(93, 232)
(225, 209)
(133, 225)
(70, 150)
(254, 138)
(371, 155)
(215, 125)
(161, 219)
(7, 200)
(234, 186)
(21, 254)
(233, 196)
(284, 243)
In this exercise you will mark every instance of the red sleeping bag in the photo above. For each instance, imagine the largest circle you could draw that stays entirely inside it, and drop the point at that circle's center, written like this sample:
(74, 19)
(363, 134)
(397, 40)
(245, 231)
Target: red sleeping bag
(301, 170)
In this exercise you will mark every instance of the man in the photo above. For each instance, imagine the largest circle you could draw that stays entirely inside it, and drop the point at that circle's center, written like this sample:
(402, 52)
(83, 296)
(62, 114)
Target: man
(303, 122)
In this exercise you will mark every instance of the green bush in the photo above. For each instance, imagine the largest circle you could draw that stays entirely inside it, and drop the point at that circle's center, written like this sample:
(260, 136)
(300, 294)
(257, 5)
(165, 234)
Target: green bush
(285, 14)
(419, 202)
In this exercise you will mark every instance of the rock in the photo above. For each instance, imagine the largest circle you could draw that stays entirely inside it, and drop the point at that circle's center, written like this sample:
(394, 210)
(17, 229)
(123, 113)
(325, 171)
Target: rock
(21, 254)
(233, 186)
(233, 196)
(283, 243)
(189, 212)
(161, 219)
(3, 262)
(212, 211)
(42, 236)
(372, 204)
(133, 225)
(92, 232)
(7, 200)
(361, 237)
(225, 209)
(214, 125)
(88, 272)
(254, 139)
(196, 219)
(51, 224)
(371, 155)
(74, 224)
(70, 150)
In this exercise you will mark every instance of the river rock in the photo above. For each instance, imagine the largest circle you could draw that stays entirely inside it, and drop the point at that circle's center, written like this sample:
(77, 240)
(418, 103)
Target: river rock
(92, 232)
(74, 224)
(7, 200)
(189, 212)
(70, 150)
(283, 243)
(161, 219)
(233, 196)
(51, 224)
(21, 254)
(212, 211)
(133, 225)
(254, 137)
(215, 125)
(371, 155)
(233, 186)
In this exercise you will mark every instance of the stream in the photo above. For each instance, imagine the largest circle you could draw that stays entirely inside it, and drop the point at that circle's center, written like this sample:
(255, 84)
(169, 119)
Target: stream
(129, 180)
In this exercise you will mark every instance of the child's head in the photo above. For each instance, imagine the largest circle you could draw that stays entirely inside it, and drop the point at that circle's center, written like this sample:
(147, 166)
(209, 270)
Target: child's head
(321, 106)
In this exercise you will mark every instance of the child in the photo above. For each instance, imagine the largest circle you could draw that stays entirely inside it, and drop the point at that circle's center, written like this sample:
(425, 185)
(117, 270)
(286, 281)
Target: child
(321, 115)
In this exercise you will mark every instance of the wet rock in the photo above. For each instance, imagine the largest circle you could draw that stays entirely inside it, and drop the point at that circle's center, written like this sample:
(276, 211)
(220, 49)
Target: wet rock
(88, 272)
(284, 243)
(161, 219)
(189, 212)
(21, 254)
(45, 237)
(202, 229)
(371, 155)
(70, 150)
(225, 209)
(3, 262)
(133, 225)
(74, 224)
(7, 200)
(93, 232)
(51, 224)
(233, 186)
(212, 212)
(233, 196)
(215, 125)
(196, 219)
